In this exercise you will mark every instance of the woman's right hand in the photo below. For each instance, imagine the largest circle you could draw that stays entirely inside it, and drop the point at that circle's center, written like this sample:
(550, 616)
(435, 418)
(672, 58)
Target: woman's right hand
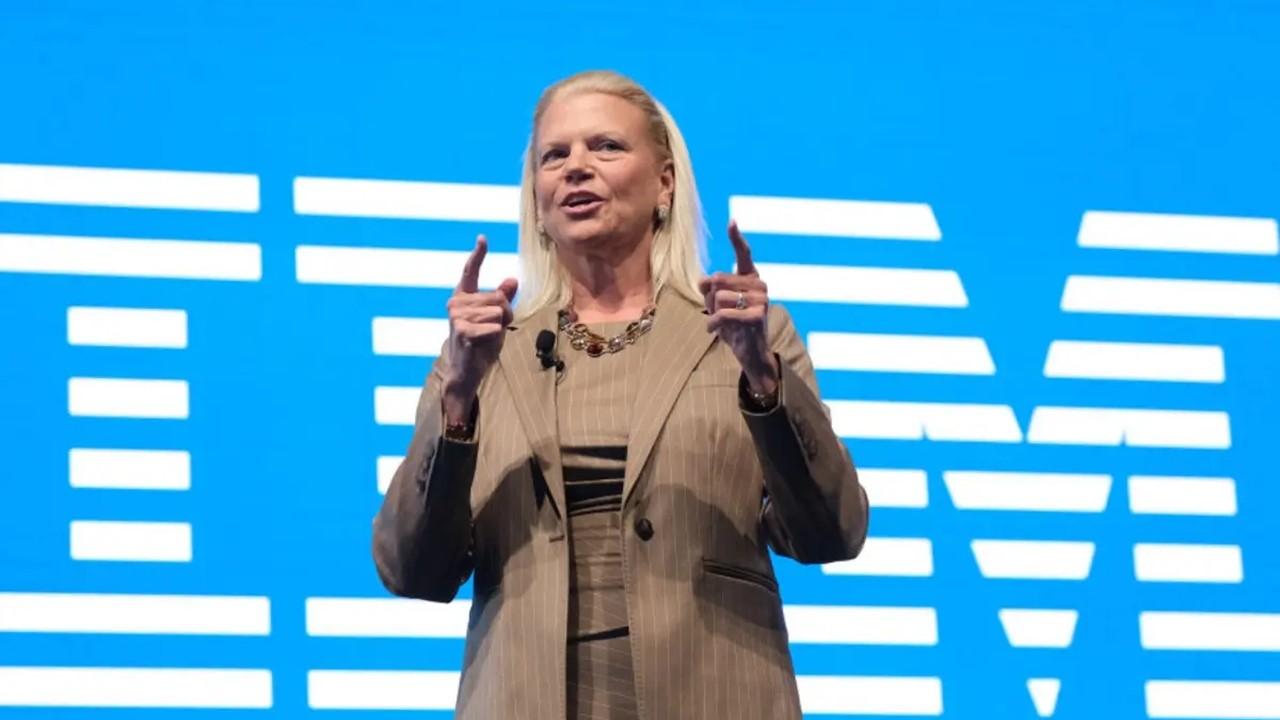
(477, 326)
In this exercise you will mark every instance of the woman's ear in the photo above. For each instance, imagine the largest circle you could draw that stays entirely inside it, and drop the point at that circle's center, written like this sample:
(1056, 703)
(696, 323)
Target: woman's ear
(667, 181)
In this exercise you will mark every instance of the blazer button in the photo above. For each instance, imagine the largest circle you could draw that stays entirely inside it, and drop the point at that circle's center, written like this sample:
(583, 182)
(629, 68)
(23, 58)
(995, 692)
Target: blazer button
(644, 528)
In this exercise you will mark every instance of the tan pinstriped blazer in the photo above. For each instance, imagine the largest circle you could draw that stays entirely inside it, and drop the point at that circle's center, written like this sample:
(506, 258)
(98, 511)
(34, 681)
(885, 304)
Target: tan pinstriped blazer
(708, 488)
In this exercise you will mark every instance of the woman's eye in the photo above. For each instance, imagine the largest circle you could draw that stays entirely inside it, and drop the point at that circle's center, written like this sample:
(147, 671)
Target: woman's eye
(610, 145)
(552, 154)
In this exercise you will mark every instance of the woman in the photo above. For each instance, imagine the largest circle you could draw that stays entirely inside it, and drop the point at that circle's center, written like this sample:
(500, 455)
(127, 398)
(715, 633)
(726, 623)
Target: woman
(615, 495)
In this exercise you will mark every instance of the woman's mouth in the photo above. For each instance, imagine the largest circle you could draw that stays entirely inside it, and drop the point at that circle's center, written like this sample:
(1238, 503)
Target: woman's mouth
(581, 204)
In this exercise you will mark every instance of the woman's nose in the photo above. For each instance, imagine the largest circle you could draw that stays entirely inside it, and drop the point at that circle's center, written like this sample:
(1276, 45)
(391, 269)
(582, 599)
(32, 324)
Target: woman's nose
(577, 166)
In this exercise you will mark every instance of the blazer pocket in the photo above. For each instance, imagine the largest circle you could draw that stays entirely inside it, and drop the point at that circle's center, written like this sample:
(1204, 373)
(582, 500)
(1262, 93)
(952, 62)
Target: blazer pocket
(717, 377)
(740, 574)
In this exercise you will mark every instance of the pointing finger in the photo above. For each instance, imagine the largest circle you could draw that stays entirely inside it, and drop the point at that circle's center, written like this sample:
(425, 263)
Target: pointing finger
(740, 249)
(470, 281)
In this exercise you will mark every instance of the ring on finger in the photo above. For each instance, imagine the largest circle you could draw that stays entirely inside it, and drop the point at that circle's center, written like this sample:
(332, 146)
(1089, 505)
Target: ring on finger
(741, 304)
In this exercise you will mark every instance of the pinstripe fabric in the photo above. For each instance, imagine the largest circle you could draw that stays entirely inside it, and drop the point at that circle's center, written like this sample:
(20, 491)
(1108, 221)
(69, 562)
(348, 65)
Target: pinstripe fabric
(715, 485)
(600, 680)
(593, 404)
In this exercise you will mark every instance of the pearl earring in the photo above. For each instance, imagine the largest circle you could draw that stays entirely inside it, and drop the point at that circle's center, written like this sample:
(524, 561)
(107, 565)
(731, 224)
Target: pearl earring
(664, 211)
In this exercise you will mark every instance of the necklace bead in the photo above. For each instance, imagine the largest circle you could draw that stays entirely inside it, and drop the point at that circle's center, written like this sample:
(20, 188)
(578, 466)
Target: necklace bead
(583, 338)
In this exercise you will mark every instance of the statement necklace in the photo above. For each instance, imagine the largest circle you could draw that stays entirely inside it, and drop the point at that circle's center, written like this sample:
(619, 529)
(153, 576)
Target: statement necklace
(582, 338)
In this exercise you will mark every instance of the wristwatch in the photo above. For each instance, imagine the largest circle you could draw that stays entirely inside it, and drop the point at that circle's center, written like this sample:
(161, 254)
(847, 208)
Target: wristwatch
(459, 432)
(757, 401)
(462, 431)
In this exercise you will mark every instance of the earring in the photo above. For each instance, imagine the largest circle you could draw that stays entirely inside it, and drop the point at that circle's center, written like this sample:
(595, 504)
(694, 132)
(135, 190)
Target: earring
(664, 211)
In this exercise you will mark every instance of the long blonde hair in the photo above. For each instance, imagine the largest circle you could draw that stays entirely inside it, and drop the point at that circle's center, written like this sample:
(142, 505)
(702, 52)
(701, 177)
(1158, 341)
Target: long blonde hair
(679, 243)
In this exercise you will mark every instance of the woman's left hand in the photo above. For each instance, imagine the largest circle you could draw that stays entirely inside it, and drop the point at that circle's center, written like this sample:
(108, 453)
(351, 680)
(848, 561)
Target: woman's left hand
(738, 311)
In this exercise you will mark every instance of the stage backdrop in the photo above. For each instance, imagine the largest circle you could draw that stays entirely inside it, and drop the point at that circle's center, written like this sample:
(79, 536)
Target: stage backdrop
(1032, 248)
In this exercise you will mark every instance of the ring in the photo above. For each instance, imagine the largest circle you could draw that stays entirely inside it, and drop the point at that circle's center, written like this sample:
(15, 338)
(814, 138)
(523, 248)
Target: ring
(742, 301)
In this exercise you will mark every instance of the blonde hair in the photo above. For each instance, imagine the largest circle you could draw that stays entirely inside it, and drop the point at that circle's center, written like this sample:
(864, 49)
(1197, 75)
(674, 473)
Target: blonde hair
(679, 243)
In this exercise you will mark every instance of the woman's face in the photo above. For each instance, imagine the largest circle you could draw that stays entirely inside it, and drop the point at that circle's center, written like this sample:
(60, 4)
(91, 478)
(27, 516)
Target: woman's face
(598, 177)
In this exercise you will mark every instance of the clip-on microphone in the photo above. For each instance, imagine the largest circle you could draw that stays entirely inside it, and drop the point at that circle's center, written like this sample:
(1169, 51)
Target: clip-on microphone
(545, 345)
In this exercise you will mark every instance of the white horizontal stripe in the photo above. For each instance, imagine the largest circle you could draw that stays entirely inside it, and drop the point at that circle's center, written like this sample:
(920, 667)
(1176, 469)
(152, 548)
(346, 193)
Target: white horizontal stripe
(1181, 298)
(387, 466)
(1038, 628)
(1236, 699)
(1172, 562)
(861, 625)
(869, 695)
(394, 267)
(1133, 427)
(807, 624)
(116, 187)
(406, 199)
(834, 218)
(437, 690)
(134, 687)
(1135, 361)
(1033, 559)
(900, 353)
(394, 405)
(381, 689)
(958, 422)
(385, 617)
(129, 469)
(1187, 233)
(130, 541)
(129, 257)
(1054, 492)
(1210, 631)
(421, 337)
(135, 614)
(126, 327)
(127, 398)
(888, 556)
(1158, 495)
(863, 285)
(895, 488)
(1044, 694)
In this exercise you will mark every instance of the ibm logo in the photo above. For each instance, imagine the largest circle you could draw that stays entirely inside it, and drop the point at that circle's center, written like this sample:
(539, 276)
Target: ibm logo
(1018, 491)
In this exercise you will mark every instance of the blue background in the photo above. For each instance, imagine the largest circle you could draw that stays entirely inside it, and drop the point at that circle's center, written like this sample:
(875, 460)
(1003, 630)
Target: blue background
(1009, 118)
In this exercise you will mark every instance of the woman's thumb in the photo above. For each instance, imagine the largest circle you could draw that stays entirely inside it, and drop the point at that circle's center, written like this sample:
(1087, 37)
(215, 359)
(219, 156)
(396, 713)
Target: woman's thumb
(509, 287)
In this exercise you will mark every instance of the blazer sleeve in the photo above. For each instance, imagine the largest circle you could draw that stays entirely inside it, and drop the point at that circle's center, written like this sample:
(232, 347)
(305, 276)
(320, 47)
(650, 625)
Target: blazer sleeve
(815, 510)
(422, 535)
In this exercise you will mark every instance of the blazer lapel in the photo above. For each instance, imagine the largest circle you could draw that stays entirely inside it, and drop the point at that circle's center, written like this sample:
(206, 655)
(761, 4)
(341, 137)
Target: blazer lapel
(534, 390)
(674, 346)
